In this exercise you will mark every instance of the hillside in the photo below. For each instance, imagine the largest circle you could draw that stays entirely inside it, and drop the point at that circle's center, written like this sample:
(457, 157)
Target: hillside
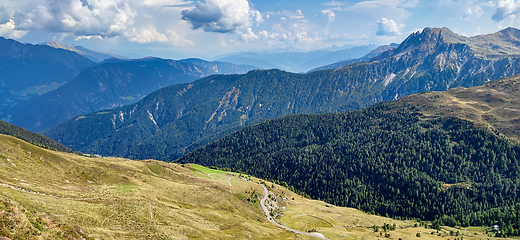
(493, 105)
(27, 71)
(112, 84)
(34, 138)
(395, 162)
(176, 120)
(53, 195)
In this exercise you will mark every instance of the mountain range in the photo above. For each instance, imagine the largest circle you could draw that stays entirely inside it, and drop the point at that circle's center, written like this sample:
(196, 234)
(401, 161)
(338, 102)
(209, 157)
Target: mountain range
(296, 61)
(27, 71)
(450, 156)
(176, 120)
(114, 83)
(94, 56)
(374, 53)
(435, 137)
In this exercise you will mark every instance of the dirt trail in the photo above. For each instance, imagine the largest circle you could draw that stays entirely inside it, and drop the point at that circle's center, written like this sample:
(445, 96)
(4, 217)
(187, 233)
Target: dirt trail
(262, 205)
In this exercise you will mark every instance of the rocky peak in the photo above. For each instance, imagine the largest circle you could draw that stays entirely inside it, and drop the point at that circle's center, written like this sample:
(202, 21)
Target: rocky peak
(429, 36)
(510, 32)
(424, 40)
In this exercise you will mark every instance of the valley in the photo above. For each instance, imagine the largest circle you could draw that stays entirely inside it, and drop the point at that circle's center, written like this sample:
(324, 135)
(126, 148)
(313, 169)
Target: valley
(315, 120)
(173, 121)
(61, 194)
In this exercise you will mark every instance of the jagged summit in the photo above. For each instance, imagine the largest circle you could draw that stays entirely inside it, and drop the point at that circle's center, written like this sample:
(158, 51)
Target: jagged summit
(424, 40)
(500, 44)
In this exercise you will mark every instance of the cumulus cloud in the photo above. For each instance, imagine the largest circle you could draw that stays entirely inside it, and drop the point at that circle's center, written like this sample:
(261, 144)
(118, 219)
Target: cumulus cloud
(222, 15)
(330, 14)
(289, 15)
(90, 37)
(8, 29)
(87, 17)
(505, 8)
(250, 36)
(387, 27)
(149, 35)
(91, 19)
(473, 12)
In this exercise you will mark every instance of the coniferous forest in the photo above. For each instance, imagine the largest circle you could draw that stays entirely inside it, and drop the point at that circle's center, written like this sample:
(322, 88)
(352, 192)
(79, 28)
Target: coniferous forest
(383, 161)
(34, 138)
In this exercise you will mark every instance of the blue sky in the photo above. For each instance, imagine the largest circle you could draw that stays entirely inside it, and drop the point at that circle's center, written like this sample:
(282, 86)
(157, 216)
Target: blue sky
(207, 28)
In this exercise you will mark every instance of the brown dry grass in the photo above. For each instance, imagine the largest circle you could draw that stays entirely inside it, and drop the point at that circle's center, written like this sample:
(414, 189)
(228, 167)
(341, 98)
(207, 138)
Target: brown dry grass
(494, 105)
(112, 198)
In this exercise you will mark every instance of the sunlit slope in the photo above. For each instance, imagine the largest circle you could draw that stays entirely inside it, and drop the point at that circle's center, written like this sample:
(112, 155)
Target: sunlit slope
(45, 193)
(495, 105)
(122, 199)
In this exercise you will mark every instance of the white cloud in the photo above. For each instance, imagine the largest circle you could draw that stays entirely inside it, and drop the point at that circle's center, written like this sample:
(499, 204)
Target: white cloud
(250, 36)
(8, 29)
(330, 14)
(87, 17)
(91, 37)
(387, 27)
(394, 8)
(163, 2)
(136, 20)
(298, 15)
(222, 15)
(149, 35)
(472, 13)
(303, 37)
(292, 15)
(334, 3)
(505, 8)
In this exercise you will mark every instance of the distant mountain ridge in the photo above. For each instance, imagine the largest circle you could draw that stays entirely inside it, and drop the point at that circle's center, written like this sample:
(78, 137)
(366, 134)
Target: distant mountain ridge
(220, 67)
(176, 120)
(88, 53)
(27, 71)
(374, 53)
(296, 61)
(114, 83)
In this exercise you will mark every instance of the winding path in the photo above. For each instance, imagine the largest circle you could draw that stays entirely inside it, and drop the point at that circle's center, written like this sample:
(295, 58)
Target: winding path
(262, 205)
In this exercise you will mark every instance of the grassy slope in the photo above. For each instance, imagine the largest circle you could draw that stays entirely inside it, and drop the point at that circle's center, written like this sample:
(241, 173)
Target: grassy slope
(28, 136)
(494, 105)
(114, 198)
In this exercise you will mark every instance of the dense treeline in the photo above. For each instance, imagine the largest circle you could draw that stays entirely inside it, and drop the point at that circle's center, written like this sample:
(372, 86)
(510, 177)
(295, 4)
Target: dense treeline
(382, 161)
(30, 137)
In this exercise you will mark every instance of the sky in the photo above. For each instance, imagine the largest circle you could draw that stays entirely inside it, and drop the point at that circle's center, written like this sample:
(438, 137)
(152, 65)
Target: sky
(208, 28)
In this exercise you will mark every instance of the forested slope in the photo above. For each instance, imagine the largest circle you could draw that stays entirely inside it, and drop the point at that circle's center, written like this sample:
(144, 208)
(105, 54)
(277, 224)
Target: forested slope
(395, 162)
(176, 120)
(34, 138)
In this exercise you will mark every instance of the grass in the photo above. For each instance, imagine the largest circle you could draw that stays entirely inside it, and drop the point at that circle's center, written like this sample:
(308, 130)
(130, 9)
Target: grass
(113, 198)
(206, 170)
(494, 105)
